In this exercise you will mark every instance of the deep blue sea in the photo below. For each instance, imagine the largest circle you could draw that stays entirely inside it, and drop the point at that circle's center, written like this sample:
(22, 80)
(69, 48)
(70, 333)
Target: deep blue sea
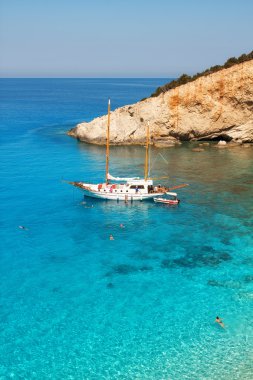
(76, 305)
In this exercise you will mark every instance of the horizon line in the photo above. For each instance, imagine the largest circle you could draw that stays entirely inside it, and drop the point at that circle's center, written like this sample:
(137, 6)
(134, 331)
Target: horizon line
(163, 77)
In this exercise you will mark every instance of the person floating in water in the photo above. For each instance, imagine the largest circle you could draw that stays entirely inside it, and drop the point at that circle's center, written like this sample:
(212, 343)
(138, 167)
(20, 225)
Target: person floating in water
(22, 227)
(86, 205)
(111, 237)
(122, 225)
(219, 321)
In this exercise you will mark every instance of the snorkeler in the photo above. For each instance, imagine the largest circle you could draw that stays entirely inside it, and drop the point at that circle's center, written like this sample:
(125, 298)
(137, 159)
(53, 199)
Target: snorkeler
(22, 227)
(86, 205)
(219, 321)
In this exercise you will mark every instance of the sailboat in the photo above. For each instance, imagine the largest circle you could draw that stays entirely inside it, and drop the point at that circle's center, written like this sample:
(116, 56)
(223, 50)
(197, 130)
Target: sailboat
(122, 188)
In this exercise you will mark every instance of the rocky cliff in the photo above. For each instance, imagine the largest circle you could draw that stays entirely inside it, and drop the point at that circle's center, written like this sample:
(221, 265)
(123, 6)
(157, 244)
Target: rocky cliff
(218, 106)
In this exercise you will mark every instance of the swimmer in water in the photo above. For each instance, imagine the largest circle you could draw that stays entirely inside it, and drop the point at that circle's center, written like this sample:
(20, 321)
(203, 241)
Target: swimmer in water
(111, 237)
(86, 205)
(219, 321)
(122, 225)
(22, 227)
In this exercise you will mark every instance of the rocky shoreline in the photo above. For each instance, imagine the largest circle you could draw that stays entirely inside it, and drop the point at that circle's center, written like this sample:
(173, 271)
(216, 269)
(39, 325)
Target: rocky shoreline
(215, 107)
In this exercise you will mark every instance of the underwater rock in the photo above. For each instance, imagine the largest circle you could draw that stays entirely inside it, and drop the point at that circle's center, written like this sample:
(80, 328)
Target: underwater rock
(185, 261)
(226, 241)
(206, 256)
(202, 260)
(248, 182)
(198, 150)
(124, 269)
(57, 259)
(248, 279)
(168, 264)
(215, 283)
(145, 268)
(238, 189)
(224, 256)
(226, 284)
(222, 142)
(110, 285)
(128, 269)
(56, 290)
(207, 248)
(248, 261)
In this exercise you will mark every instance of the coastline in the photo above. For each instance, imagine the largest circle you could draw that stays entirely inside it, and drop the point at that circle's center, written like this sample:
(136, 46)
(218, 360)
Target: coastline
(215, 107)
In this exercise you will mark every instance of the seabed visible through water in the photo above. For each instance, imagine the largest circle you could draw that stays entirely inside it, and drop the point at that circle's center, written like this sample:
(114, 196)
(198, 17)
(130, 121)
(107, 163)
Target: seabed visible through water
(76, 305)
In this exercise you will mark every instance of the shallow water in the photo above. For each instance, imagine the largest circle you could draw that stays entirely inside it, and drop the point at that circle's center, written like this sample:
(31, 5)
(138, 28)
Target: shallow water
(76, 305)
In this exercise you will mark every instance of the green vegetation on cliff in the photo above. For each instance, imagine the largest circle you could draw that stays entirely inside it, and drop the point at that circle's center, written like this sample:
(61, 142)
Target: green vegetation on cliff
(187, 78)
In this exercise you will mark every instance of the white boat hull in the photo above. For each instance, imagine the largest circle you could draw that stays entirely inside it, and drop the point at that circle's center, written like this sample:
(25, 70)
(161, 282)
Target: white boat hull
(121, 196)
(136, 190)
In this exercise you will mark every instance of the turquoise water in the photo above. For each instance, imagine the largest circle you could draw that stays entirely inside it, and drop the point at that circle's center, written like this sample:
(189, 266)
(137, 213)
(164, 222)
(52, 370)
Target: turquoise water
(75, 305)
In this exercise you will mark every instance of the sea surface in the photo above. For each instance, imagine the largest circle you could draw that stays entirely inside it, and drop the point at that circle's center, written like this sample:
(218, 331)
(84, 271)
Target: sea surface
(76, 305)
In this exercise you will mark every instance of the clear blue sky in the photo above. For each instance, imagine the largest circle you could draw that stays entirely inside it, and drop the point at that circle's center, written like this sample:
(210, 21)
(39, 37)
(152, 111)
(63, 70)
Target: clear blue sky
(121, 38)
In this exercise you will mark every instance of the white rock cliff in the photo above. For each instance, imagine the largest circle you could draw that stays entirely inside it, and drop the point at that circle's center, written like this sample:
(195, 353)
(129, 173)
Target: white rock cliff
(216, 106)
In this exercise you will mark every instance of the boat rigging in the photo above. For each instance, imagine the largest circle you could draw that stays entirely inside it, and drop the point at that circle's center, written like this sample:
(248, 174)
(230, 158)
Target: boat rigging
(133, 188)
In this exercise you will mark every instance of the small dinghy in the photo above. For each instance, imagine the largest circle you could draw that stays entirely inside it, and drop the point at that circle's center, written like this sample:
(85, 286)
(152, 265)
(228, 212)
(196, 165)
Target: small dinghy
(170, 200)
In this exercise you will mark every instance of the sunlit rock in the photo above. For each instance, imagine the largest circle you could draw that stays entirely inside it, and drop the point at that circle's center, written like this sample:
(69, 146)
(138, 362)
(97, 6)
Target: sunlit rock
(217, 106)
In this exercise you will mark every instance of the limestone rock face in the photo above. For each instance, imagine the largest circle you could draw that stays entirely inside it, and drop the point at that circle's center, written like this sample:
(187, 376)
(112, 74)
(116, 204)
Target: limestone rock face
(214, 107)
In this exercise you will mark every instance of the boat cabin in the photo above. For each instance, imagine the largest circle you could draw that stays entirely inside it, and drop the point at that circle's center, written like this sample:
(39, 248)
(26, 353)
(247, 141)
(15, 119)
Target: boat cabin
(131, 187)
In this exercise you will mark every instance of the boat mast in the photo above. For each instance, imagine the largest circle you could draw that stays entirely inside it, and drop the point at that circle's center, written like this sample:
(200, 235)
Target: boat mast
(107, 143)
(146, 170)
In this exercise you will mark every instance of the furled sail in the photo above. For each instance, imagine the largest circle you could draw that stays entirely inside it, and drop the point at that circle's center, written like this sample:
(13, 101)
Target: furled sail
(109, 176)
